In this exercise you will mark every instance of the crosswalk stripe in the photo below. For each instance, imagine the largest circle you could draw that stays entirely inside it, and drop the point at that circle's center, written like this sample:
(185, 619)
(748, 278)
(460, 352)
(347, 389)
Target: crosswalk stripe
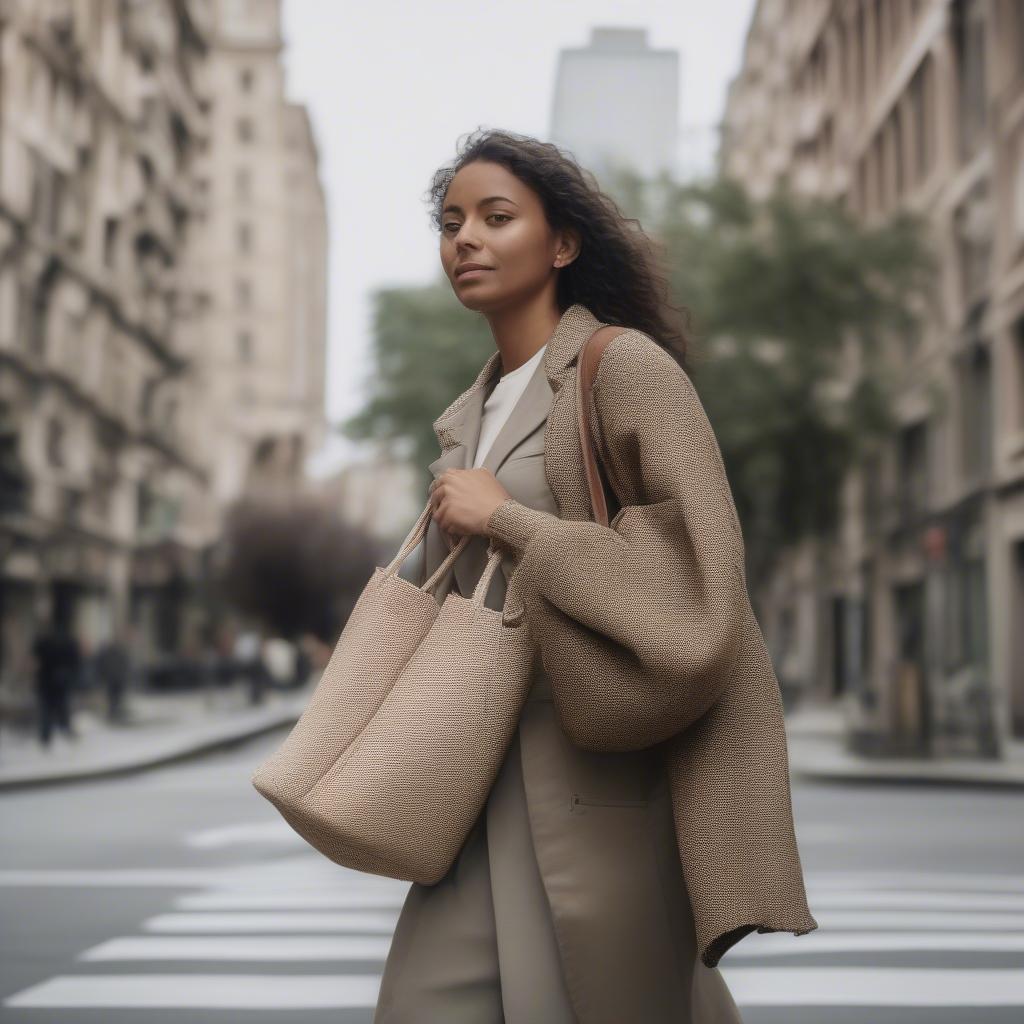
(289, 901)
(929, 899)
(750, 986)
(940, 920)
(334, 921)
(874, 986)
(229, 948)
(775, 944)
(120, 878)
(203, 991)
(912, 880)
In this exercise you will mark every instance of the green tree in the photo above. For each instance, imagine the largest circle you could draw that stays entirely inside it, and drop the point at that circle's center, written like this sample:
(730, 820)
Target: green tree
(427, 349)
(801, 319)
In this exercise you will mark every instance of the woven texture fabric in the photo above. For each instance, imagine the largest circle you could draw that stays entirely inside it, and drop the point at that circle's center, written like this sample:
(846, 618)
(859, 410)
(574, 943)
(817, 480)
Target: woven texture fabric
(392, 760)
(646, 629)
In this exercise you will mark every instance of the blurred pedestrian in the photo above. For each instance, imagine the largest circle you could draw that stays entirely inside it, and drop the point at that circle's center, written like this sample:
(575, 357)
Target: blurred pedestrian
(112, 665)
(58, 663)
(250, 662)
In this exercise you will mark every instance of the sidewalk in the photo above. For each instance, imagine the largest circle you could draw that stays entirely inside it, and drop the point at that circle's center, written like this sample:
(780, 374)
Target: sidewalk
(160, 728)
(816, 740)
(170, 727)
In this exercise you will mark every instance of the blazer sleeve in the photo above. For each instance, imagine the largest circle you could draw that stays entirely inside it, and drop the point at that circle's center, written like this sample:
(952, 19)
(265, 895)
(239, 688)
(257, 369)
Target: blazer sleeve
(638, 626)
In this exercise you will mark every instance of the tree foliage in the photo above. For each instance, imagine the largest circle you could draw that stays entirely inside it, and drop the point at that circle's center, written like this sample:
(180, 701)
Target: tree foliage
(427, 349)
(803, 316)
(293, 565)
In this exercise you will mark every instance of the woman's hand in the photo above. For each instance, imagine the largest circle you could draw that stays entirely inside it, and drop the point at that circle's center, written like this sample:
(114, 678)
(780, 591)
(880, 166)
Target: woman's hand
(463, 500)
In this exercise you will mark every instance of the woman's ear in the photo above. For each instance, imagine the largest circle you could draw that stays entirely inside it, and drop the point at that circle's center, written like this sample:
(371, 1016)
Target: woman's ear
(569, 248)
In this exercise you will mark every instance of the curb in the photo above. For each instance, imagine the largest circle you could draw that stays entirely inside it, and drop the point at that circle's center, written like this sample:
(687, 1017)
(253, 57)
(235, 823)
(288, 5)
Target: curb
(170, 750)
(993, 775)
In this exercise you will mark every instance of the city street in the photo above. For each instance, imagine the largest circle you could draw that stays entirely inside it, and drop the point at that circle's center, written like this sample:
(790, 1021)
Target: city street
(178, 894)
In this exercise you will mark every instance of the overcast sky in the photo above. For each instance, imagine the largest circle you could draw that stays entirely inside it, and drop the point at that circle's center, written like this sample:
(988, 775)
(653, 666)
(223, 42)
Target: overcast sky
(391, 87)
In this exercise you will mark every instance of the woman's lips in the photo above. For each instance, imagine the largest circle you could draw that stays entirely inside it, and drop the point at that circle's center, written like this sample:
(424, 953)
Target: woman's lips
(468, 275)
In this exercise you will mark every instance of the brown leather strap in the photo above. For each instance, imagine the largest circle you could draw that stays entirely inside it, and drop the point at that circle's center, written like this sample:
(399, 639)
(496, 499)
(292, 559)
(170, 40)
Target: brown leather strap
(588, 362)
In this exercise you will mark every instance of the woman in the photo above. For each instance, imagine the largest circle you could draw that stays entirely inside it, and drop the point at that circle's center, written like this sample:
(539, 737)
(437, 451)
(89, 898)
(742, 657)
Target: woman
(651, 739)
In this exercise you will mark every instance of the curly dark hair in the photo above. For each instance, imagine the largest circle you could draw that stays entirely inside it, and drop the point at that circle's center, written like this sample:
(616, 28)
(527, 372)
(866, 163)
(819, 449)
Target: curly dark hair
(618, 273)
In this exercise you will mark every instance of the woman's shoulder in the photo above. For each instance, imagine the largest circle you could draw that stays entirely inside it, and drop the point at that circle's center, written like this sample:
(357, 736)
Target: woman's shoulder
(634, 357)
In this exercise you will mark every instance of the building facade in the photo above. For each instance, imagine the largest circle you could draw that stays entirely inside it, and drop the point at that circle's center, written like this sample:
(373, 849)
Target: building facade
(103, 503)
(916, 105)
(263, 262)
(616, 104)
(162, 307)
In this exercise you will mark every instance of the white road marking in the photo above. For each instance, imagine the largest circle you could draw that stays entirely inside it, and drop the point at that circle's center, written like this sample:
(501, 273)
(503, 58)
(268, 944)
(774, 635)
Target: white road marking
(308, 909)
(926, 899)
(203, 991)
(331, 900)
(244, 832)
(938, 920)
(786, 944)
(226, 949)
(874, 986)
(307, 875)
(116, 878)
(750, 986)
(911, 880)
(355, 921)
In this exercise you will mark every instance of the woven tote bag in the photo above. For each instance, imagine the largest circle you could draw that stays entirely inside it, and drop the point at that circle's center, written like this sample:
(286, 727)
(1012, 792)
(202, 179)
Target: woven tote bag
(388, 622)
(403, 792)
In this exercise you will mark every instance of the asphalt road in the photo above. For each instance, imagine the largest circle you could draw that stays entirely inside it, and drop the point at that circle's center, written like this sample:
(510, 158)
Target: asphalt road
(179, 895)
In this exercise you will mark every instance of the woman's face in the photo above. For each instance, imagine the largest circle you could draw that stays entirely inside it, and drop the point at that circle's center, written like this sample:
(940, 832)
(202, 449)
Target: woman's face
(490, 217)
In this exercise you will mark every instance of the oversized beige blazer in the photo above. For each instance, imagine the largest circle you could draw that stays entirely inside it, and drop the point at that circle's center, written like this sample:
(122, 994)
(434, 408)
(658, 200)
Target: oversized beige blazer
(645, 634)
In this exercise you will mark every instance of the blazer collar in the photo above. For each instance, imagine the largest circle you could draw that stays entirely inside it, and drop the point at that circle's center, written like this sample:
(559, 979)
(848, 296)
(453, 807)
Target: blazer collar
(459, 424)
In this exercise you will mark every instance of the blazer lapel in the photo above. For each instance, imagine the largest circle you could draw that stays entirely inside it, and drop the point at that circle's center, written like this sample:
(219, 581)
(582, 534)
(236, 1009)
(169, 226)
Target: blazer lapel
(527, 416)
(458, 429)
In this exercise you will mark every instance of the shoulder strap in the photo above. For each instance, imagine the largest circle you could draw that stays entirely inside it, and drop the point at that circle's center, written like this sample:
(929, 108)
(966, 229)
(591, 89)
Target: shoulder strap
(588, 362)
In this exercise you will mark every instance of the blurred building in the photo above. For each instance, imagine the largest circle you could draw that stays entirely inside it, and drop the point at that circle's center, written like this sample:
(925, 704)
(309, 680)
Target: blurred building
(912, 105)
(380, 497)
(162, 305)
(104, 492)
(262, 263)
(617, 103)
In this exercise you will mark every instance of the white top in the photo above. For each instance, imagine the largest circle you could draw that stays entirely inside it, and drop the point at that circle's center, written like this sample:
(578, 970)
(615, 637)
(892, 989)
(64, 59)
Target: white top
(501, 401)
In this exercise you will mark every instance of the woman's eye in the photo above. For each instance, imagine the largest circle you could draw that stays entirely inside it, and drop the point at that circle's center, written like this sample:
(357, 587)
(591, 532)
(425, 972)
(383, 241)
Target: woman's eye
(454, 224)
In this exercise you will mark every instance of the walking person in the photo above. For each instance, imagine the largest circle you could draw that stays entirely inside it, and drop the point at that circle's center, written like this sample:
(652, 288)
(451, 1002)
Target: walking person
(112, 666)
(594, 888)
(57, 664)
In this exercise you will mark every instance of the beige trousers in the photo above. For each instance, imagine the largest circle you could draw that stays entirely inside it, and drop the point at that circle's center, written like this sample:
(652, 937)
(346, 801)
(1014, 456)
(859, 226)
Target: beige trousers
(448, 958)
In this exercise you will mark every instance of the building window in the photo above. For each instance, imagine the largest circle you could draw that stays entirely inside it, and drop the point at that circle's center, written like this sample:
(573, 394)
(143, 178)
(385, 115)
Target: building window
(245, 346)
(968, 25)
(973, 228)
(244, 237)
(246, 132)
(109, 240)
(1018, 359)
(1018, 187)
(897, 151)
(1018, 35)
(243, 291)
(920, 121)
(912, 459)
(55, 442)
(976, 404)
(872, 494)
(246, 79)
(243, 182)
